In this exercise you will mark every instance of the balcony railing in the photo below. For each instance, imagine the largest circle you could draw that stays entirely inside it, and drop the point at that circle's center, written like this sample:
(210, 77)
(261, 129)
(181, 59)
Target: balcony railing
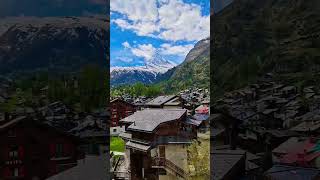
(165, 163)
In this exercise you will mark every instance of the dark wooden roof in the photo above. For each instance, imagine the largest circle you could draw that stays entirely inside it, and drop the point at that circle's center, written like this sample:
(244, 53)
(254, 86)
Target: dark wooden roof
(149, 119)
(160, 100)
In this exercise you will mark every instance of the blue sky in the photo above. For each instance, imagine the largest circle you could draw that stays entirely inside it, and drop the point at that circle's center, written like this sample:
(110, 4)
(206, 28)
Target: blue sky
(140, 29)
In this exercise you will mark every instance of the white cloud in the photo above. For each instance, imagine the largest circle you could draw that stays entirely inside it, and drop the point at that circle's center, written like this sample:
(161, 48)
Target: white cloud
(136, 10)
(126, 44)
(146, 51)
(125, 59)
(179, 50)
(181, 21)
(172, 20)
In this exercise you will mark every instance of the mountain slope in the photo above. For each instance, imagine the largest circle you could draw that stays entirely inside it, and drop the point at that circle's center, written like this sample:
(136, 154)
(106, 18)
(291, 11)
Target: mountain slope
(58, 43)
(45, 8)
(253, 37)
(147, 74)
(193, 72)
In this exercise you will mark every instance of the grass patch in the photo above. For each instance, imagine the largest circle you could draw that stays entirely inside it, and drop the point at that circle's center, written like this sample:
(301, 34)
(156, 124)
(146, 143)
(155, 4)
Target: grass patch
(117, 144)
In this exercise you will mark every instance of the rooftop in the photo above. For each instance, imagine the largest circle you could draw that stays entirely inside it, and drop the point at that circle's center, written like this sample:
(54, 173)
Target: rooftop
(149, 119)
(292, 173)
(160, 100)
(224, 161)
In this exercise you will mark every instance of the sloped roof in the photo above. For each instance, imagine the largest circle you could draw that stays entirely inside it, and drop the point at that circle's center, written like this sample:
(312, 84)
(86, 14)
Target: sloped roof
(307, 126)
(149, 119)
(91, 166)
(121, 100)
(173, 102)
(224, 161)
(137, 146)
(292, 173)
(160, 100)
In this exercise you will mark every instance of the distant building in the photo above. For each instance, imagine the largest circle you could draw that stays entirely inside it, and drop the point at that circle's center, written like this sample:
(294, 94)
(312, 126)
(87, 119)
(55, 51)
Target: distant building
(34, 150)
(280, 172)
(300, 151)
(156, 143)
(119, 110)
(160, 101)
(175, 103)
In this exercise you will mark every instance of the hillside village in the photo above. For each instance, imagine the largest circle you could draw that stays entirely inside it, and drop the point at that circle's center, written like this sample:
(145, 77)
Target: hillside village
(266, 130)
(50, 140)
(151, 129)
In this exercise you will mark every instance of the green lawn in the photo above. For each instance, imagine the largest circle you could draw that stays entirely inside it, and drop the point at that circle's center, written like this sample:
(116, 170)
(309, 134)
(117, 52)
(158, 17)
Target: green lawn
(117, 144)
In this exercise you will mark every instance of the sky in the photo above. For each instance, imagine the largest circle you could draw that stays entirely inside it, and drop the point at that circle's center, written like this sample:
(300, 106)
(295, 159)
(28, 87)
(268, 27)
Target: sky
(143, 29)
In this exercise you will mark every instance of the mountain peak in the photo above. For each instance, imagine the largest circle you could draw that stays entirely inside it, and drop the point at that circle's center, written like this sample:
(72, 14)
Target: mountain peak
(159, 64)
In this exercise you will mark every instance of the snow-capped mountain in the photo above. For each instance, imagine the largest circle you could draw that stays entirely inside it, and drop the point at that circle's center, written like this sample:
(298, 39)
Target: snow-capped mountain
(62, 44)
(146, 74)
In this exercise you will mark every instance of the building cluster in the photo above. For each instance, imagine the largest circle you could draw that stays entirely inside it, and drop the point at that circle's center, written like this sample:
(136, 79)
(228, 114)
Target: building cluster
(266, 130)
(43, 142)
(157, 133)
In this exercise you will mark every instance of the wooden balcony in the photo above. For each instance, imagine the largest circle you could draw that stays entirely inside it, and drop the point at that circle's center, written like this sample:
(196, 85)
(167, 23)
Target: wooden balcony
(159, 162)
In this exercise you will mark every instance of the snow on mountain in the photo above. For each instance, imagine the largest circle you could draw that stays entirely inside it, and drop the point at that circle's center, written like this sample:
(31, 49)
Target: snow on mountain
(147, 73)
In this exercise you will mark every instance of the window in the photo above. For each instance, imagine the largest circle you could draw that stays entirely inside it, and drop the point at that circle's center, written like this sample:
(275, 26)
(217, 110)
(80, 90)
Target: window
(59, 150)
(14, 172)
(13, 153)
(114, 130)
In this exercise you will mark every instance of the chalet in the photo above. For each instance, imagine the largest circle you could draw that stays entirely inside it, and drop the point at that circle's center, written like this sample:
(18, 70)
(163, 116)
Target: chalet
(300, 151)
(307, 127)
(93, 136)
(279, 172)
(202, 115)
(119, 110)
(159, 101)
(289, 91)
(33, 150)
(251, 160)
(156, 143)
(227, 164)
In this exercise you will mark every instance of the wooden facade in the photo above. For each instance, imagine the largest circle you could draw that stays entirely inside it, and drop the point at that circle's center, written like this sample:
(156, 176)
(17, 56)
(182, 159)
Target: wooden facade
(150, 152)
(119, 110)
(32, 150)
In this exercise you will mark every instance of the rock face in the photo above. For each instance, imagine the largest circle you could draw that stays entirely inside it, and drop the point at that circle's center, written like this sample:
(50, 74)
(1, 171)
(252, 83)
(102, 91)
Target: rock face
(201, 49)
(59, 43)
(193, 72)
(252, 38)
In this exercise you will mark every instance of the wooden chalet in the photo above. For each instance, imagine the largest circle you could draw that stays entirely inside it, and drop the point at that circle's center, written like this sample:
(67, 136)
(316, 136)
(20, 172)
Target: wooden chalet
(119, 110)
(156, 143)
(227, 164)
(33, 150)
